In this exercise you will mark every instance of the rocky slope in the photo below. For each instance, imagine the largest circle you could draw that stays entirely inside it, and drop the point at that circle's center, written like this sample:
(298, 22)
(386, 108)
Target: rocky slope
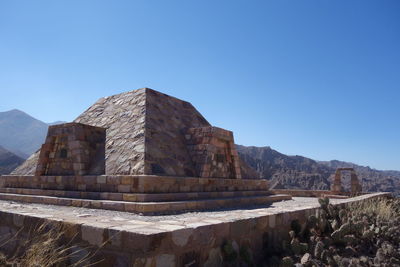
(297, 172)
(373, 180)
(8, 161)
(360, 234)
(22, 134)
(284, 171)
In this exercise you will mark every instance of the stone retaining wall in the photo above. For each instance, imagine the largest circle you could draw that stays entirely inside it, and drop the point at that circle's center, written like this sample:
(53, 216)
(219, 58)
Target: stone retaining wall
(191, 244)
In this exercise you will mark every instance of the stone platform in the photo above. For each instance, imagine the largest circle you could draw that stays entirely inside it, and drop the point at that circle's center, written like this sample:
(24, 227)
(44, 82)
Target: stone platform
(146, 194)
(189, 239)
(132, 183)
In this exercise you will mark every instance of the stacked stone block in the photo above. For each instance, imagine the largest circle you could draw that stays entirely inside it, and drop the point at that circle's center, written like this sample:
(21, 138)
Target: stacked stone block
(337, 183)
(132, 184)
(355, 186)
(166, 153)
(213, 152)
(146, 194)
(72, 149)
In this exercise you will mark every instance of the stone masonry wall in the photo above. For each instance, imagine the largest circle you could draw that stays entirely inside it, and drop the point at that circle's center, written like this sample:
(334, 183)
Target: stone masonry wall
(73, 149)
(166, 118)
(355, 186)
(213, 152)
(198, 243)
(146, 136)
(131, 184)
(123, 116)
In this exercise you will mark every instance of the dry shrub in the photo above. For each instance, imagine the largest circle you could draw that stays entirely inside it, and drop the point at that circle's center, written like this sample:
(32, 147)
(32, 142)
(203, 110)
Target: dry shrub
(364, 233)
(46, 246)
(382, 207)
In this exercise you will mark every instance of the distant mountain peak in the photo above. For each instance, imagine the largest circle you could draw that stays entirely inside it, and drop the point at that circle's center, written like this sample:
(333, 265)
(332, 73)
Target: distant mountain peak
(8, 161)
(15, 111)
(21, 133)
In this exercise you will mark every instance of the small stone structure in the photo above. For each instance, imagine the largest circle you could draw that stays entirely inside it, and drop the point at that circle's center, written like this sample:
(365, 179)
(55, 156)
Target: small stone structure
(355, 187)
(214, 153)
(72, 149)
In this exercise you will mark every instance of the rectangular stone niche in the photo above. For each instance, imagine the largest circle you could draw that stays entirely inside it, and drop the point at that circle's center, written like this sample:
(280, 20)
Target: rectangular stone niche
(73, 149)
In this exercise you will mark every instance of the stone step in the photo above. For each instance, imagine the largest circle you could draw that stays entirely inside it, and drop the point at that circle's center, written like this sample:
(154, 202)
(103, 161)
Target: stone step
(134, 197)
(150, 208)
(132, 183)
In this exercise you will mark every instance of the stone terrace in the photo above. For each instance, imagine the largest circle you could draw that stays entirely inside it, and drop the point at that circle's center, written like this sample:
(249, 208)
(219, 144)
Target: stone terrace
(141, 194)
(127, 239)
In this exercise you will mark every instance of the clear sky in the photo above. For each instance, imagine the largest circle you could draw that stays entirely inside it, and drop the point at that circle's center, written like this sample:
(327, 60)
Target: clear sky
(315, 78)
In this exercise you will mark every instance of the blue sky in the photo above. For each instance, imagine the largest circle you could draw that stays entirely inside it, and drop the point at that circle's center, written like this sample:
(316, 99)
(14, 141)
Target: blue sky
(315, 78)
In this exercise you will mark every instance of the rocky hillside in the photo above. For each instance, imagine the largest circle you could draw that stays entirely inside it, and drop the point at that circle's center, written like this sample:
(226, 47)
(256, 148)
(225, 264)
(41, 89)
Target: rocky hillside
(8, 161)
(373, 180)
(20, 133)
(286, 171)
(293, 172)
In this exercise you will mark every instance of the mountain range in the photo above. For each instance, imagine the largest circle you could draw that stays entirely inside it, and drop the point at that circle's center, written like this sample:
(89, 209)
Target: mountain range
(21, 135)
(297, 172)
(8, 161)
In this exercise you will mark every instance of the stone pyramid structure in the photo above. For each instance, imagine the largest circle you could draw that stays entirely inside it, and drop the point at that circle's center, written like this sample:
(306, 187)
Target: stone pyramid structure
(140, 151)
(147, 133)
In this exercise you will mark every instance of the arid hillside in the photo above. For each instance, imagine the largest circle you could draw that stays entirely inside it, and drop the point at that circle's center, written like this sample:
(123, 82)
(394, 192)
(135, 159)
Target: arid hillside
(293, 172)
(8, 161)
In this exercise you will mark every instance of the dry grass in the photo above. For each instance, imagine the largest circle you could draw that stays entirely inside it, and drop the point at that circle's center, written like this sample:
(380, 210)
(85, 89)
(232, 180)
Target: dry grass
(46, 247)
(383, 207)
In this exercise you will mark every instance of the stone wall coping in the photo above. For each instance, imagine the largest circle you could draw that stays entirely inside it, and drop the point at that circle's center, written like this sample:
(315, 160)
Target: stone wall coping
(151, 225)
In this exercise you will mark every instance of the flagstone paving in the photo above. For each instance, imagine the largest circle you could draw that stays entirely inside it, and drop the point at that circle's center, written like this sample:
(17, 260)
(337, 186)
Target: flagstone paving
(152, 224)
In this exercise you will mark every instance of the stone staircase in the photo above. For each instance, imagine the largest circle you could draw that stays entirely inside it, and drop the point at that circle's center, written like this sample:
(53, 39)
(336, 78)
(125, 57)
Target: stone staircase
(138, 194)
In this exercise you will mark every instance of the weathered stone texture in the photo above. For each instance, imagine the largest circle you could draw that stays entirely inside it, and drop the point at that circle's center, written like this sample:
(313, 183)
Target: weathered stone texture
(355, 186)
(123, 116)
(146, 134)
(72, 149)
(147, 194)
(213, 152)
(167, 118)
(189, 240)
